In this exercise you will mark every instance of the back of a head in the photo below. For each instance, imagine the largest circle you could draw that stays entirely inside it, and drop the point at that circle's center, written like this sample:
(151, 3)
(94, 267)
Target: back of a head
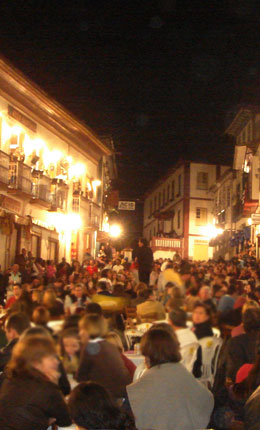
(93, 308)
(41, 315)
(18, 321)
(178, 318)
(102, 285)
(251, 319)
(160, 347)
(148, 292)
(94, 325)
(91, 407)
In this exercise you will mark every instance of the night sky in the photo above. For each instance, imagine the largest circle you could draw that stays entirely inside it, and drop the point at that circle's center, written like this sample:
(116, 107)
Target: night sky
(162, 77)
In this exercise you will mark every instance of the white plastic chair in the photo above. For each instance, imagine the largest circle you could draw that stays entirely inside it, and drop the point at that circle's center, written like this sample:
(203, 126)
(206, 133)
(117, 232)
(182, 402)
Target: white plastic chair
(189, 355)
(210, 349)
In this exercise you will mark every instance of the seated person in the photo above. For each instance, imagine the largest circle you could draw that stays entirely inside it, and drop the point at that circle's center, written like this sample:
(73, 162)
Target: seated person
(15, 325)
(188, 341)
(201, 318)
(91, 407)
(151, 309)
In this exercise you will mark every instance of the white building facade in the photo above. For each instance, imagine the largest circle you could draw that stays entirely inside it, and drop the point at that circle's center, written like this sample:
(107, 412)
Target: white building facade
(178, 211)
(50, 175)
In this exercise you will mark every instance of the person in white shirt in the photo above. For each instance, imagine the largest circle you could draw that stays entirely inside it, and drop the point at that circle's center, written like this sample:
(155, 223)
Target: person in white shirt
(118, 266)
(189, 344)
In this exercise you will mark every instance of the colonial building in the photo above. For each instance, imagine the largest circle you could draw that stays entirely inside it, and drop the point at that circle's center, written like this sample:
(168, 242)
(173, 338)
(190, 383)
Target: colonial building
(178, 211)
(236, 193)
(51, 175)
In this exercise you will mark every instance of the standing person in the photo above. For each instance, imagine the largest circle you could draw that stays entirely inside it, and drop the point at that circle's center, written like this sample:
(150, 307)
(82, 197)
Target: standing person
(145, 260)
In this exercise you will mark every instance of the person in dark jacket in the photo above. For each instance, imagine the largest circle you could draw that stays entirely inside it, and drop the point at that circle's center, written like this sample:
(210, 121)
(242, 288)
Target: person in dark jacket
(243, 348)
(145, 260)
(15, 325)
(30, 397)
(201, 318)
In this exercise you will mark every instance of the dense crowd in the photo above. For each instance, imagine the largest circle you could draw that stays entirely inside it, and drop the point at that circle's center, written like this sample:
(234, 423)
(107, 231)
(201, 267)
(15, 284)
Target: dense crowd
(66, 329)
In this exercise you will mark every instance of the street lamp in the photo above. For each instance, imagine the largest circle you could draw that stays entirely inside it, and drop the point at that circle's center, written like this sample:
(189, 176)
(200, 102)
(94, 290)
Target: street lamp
(115, 230)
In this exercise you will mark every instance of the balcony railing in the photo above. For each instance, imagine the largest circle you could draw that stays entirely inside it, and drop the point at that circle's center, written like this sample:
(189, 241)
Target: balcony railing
(4, 167)
(166, 243)
(19, 177)
(41, 189)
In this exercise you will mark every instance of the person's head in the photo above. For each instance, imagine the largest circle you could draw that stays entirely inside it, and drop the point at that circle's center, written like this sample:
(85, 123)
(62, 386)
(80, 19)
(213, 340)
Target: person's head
(91, 407)
(251, 319)
(15, 324)
(93, 308)
(101, 286)
(24, 252)
(201, 313)
(178, 318)
(15, 268)
(33, 352)
(41, 315)
(142, 242)
(69, 342)
(36, 296)
(49, 298)
(204, 293)
(115, 339)
(92, 326)
(159, 347)
(78, 291)
(147, 294)
(17, 291)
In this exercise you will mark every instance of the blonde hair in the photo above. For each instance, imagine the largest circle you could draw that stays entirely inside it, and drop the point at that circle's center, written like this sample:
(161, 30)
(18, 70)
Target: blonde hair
(249, 304)
(95, 325)
(28, 351)
(115, 339)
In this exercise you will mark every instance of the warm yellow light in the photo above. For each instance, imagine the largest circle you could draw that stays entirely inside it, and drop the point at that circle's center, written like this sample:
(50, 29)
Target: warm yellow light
(211, 231)
(77, 170)
(64, 222)
(249, 221)
(16, 130)
(96, 183)
(6, 131)
(69, 159)
(115, 230)
(46, 157)
(55, 156)
(74, 221)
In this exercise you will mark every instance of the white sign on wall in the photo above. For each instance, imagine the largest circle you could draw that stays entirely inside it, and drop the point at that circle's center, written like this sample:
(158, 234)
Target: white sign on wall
(255, 218)
(126, 206)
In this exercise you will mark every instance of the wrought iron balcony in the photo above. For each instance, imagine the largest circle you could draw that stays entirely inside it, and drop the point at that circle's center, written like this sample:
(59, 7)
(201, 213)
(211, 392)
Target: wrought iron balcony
(4, 167)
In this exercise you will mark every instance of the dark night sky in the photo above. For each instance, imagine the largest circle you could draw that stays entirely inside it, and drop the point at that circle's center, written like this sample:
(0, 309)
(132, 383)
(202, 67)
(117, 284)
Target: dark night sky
(163, 77)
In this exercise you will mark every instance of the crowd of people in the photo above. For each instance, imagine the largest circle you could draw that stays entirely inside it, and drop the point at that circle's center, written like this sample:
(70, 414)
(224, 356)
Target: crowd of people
(80, 375)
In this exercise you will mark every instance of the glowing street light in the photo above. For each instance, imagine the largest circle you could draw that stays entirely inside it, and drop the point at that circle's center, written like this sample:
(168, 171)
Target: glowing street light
(115, 230)
(211, 231)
